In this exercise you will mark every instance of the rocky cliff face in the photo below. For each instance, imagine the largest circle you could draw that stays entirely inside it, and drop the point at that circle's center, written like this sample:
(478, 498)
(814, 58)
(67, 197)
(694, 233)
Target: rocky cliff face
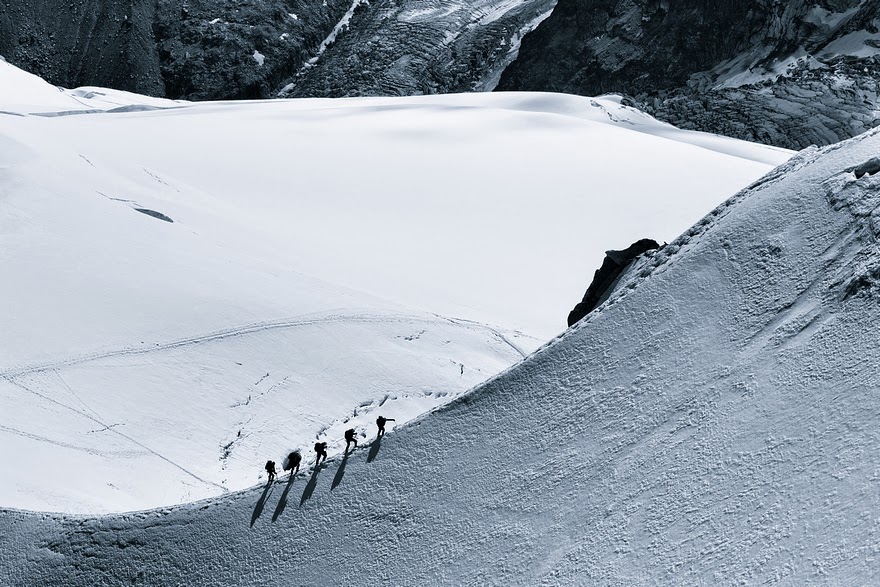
(394, 47)
(216, 49)
(788, 73)
(108, 42)
(193, 49)
(230, 49)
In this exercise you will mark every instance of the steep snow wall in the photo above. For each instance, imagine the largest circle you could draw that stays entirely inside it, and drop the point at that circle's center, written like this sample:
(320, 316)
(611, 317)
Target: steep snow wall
(714, 422)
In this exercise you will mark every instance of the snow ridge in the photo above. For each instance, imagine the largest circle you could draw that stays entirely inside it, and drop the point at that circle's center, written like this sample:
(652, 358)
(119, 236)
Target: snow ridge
(713, 422)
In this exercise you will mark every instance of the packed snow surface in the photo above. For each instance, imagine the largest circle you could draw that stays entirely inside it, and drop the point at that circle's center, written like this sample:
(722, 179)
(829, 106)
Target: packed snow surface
(715, 422)
(192, 289)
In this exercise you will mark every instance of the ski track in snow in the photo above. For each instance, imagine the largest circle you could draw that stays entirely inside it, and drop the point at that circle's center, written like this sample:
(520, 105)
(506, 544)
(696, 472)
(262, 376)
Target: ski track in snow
(11, 373)
(495, 331)
(109, 428)
(252, 404)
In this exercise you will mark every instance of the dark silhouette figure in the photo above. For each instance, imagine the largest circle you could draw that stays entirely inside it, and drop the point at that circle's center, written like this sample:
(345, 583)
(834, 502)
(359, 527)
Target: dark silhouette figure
(292, 463)
(270, 468)
(321, 450)
(380, 422)
(349, 438)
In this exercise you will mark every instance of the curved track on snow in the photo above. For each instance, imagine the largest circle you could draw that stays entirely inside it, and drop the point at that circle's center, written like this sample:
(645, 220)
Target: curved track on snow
(310, 320)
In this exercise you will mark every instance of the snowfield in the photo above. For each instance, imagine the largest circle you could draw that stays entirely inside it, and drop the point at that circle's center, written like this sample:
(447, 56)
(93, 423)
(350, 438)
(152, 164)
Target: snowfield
(191, 289)
(714, 423)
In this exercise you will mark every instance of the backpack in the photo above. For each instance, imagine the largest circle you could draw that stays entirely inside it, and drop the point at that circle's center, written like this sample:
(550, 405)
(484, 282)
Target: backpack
(319, 446)
(380, 422)
(291, 461)
(270, 466)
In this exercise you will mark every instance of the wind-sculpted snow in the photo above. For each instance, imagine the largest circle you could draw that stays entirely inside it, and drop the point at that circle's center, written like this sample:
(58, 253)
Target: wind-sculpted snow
(714, 422)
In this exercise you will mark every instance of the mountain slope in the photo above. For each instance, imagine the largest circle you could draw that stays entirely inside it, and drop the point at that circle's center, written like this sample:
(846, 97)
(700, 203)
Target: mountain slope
(107, 43)
(195, 288)
(391, 48)
(240, 49)
(790, 74)
(714, 422)
(194, 49)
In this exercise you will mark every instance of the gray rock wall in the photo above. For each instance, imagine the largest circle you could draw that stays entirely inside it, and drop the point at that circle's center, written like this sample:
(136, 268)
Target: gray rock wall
(108, 42)
(393, 47)
(192, 49)
(678, 60)
(230, 49)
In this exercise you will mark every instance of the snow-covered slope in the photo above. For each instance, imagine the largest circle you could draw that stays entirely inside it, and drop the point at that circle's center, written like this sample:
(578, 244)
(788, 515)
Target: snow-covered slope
(715, 422)
(191, 289)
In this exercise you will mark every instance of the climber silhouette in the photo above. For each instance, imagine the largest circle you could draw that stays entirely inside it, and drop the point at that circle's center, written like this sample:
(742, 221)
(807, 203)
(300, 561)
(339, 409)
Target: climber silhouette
(321, 450)
(270, 468)
(293, 461)
(380, 422)
(349, 438)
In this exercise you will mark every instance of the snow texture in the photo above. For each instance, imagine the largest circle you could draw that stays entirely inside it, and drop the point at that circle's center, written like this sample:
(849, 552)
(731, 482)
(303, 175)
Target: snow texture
(196, 288)
(714, 422)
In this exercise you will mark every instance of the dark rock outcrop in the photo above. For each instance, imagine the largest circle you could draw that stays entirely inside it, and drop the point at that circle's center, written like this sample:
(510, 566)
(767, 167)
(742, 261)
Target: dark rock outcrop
(869, 167)
(605, 277)
(786, 73)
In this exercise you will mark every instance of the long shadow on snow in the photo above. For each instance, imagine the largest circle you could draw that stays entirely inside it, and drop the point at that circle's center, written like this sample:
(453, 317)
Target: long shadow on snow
(261, 503)
(339, 472)
(310, 486)
(282, 503)
(374, 449)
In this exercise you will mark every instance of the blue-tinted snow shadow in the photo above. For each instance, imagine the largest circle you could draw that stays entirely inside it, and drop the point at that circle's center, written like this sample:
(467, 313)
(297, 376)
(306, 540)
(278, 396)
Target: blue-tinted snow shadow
(310, 486)
(282, 503)
(261, 503)
(374, 449)
(340, 471)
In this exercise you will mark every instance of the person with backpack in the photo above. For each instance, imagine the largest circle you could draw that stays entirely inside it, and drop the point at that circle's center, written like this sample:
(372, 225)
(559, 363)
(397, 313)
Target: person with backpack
(380, 422)
(321, 450)
(293, 461)
(349, 438)
(270, 468)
